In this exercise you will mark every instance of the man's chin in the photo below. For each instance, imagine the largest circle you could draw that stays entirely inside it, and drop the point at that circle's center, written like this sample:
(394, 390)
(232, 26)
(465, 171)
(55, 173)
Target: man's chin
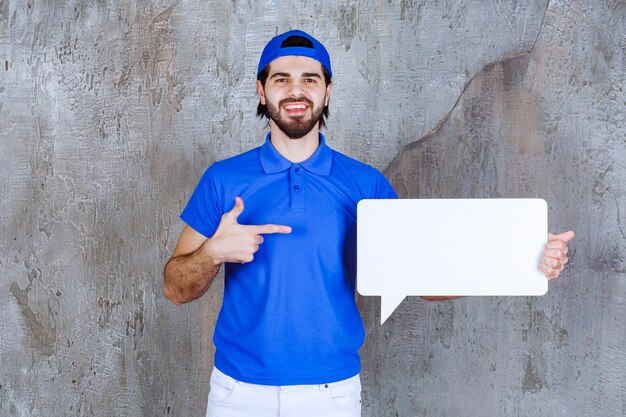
(296, 130)
(297, 134)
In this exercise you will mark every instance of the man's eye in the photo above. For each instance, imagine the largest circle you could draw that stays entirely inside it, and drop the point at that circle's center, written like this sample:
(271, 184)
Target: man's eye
(310, 80)
(281, 80)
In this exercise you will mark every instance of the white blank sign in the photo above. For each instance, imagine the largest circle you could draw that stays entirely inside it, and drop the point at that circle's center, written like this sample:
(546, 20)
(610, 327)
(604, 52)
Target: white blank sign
(450, 247)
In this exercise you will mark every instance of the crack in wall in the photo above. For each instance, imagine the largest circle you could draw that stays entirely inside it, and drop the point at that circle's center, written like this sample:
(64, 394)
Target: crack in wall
(445, 118)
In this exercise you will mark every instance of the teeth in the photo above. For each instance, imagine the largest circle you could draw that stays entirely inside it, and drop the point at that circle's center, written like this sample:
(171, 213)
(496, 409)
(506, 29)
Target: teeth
(296, 107)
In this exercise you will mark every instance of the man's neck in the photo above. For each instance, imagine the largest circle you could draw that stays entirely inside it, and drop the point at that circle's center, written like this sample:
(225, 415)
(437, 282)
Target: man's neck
(295, 150)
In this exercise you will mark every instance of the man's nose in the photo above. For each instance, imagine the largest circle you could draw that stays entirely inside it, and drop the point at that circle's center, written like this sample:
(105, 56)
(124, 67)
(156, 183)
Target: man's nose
(296, 89)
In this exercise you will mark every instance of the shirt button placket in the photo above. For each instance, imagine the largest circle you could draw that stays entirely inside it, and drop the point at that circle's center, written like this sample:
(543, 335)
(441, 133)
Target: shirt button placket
(297, 187)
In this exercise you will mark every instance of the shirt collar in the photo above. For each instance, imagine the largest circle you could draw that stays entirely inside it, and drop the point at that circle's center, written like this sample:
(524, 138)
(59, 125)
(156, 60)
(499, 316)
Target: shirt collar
(318, 163)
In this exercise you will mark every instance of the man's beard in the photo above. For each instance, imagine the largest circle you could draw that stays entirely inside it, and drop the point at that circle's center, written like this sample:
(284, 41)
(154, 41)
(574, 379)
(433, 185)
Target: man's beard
(297, 127)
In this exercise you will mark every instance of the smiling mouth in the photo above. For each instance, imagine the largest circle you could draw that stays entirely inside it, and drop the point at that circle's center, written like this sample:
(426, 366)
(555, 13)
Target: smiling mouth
(295, 109)
(295, 106)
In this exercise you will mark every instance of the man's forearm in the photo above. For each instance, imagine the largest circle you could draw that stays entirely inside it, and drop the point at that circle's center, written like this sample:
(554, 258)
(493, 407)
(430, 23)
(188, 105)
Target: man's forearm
(187, 277)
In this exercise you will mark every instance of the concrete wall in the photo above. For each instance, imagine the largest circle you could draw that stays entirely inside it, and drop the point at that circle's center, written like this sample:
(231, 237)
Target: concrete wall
(109, 113)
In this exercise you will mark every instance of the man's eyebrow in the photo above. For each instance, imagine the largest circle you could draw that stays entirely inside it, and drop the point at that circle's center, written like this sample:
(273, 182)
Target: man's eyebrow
(281, 74)
(311, 74)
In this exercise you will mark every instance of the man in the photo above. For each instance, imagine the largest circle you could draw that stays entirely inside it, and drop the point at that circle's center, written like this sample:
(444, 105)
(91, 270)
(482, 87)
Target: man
(288, 334)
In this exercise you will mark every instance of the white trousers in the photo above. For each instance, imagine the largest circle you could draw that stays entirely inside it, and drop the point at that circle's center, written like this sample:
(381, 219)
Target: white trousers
(231, 398)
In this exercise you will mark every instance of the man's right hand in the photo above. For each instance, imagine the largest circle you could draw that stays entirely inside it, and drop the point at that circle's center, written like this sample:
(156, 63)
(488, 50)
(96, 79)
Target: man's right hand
(234, 242)
(196, 260)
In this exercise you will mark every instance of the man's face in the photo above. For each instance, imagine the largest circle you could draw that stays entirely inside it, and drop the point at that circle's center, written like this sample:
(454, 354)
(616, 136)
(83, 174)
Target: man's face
(295, 94)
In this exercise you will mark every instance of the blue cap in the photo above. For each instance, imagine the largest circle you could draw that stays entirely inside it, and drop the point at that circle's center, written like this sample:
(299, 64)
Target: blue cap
(274, 49)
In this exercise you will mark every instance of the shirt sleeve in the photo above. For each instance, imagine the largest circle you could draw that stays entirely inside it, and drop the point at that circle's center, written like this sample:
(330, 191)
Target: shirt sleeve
(204, 209)
(382, 188)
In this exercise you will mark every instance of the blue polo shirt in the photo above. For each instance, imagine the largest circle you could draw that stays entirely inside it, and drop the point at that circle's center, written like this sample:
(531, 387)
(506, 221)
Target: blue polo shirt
(289, 316)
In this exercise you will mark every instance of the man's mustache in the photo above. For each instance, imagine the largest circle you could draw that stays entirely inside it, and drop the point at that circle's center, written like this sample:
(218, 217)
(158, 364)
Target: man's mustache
(295, 100)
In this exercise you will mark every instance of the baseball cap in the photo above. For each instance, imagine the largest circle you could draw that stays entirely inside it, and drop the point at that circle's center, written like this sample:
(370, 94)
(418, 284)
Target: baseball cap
(275, 48)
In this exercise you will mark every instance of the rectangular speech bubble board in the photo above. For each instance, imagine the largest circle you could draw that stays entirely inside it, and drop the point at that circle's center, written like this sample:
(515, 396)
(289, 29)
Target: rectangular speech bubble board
(440, 247)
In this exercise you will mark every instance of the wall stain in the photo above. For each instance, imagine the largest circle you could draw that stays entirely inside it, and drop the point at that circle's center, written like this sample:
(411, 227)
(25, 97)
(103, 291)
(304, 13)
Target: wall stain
(162, 18)
(532, 382)
(411, 10)
(106, 307)
(164, 58)
(347, 22)
(444, 322)
(43, 338)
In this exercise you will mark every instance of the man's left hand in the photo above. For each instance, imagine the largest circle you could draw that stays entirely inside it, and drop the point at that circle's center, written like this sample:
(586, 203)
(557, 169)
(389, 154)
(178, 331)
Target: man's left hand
(555, 254)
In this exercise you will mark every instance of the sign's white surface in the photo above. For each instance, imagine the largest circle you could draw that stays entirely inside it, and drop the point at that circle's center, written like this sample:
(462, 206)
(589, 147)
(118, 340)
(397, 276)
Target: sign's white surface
(444, 247)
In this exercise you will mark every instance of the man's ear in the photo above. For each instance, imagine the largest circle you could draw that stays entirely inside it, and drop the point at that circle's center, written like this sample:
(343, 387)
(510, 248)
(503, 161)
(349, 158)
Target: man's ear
(329, 88)
(261, 92)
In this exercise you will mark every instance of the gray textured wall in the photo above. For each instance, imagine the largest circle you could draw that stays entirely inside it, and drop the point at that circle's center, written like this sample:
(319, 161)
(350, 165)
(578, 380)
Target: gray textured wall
(109, 113)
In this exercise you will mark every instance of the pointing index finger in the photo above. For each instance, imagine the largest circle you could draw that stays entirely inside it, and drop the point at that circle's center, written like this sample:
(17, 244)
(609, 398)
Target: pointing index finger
(267, 229)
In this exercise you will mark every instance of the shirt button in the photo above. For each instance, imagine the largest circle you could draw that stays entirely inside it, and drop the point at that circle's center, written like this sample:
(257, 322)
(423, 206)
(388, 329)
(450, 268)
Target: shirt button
(297, 169)
(296, 187)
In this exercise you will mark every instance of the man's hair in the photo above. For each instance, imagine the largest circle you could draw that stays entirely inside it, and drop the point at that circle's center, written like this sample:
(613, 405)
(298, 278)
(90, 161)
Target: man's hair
(261, 109)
